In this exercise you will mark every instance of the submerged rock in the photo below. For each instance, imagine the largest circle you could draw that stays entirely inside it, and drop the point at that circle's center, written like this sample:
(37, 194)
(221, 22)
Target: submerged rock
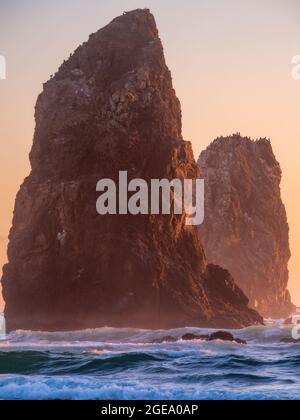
(221, 335)
(191, 337)
(218, 335)
(167, 339)
(111, 107)
(245, 228)
(225, 336)
(290, 341)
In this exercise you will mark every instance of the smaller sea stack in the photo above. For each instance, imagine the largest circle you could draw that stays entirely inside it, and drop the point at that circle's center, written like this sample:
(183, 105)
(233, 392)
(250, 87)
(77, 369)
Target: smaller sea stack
(245, 228)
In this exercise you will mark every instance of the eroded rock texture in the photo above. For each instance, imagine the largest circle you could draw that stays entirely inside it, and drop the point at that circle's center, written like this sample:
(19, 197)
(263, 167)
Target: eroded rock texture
(110, 107)
(245, 228)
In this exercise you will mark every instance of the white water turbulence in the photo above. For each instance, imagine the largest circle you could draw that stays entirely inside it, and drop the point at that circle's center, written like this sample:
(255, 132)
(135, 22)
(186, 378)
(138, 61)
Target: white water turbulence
(111, 363)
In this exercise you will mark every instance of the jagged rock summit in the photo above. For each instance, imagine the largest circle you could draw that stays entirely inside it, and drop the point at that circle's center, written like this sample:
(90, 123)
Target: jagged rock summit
(245, 228)
(110, 107)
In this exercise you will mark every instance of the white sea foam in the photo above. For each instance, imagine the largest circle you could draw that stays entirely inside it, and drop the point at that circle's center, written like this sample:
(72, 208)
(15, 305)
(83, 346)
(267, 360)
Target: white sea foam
(134, 337)
(81, 388)
(113, 363)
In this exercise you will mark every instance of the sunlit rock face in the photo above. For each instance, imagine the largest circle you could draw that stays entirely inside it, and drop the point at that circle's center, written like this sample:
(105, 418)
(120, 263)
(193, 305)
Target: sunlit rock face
(245, 228)
(111, 107)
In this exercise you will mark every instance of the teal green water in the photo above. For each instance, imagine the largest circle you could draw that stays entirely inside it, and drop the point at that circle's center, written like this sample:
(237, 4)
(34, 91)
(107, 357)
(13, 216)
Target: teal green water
(123, 364)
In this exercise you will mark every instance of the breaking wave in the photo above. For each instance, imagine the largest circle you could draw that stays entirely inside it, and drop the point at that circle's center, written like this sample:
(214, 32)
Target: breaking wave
(111, 363)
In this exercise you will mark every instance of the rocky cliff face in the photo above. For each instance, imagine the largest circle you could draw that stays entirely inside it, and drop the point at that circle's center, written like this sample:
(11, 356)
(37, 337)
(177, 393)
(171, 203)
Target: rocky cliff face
(245, 228)
(110, 107)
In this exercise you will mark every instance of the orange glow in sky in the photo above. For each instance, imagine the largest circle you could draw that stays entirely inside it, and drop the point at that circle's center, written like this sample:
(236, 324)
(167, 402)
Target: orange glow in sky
(231, 62)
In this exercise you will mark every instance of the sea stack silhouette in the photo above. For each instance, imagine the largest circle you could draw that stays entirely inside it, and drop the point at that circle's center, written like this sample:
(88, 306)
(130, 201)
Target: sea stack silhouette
(110, 107)
(245, 228)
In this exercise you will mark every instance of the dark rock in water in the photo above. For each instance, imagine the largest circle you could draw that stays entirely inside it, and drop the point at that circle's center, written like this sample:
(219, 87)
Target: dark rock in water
(219, 335)
(110, 107)
(191, 337)
(245, 228)
(167, 339)
(225, 336)
(290, 341)
(239, 341)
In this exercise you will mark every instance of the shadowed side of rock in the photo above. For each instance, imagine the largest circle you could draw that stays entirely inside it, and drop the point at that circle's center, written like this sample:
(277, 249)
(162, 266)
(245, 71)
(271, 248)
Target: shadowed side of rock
(111, 107)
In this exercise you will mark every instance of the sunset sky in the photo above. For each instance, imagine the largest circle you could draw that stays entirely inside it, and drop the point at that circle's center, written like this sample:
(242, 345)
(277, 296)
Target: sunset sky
(231, 67)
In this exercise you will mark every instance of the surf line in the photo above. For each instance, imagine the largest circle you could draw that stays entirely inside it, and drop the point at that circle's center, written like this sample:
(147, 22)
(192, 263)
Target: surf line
(164, 194)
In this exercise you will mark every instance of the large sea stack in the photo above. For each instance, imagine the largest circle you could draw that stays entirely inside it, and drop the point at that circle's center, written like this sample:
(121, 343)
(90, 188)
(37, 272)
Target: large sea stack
(245, 228)
(110, 107)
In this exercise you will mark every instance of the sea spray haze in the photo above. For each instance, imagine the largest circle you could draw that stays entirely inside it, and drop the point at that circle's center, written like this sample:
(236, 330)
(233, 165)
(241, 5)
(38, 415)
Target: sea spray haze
(110, 107)
(245, 228)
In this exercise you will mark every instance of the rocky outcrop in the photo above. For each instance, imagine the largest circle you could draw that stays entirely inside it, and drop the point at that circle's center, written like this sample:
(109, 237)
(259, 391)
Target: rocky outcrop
(110, 107)
(218, 335)
(245, 228)
(225, 336)
(192, 337)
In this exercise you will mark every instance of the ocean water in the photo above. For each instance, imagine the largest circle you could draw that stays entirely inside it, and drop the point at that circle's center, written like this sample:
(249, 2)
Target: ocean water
(123, 364)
